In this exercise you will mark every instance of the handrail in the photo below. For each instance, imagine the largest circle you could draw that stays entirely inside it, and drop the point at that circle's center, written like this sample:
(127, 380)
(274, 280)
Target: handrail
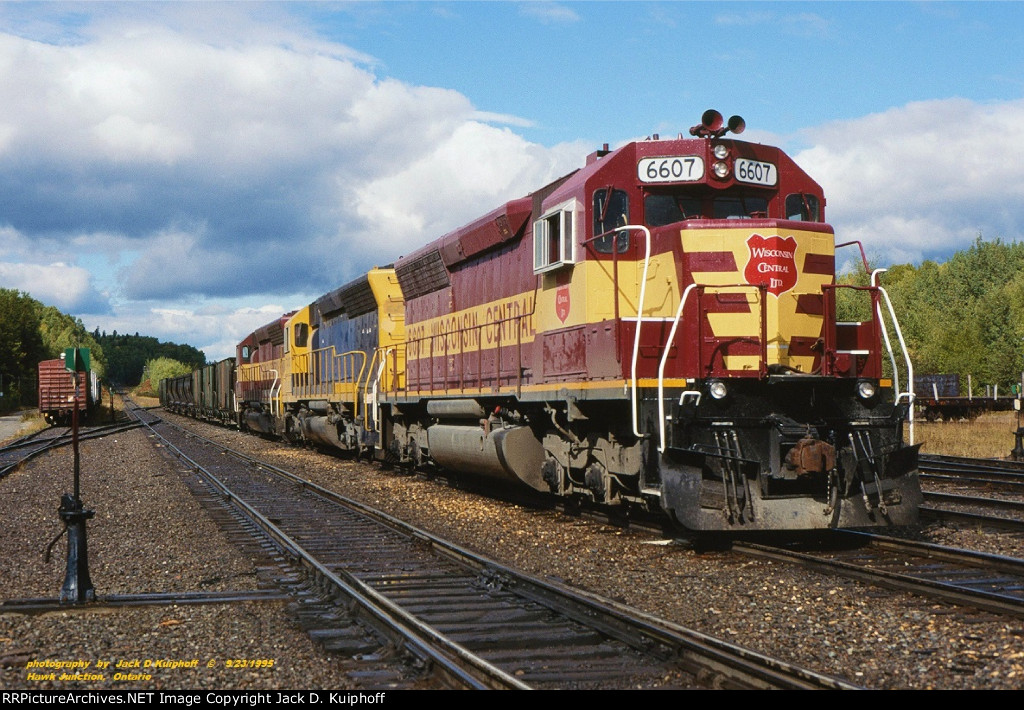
(639, 305)
(275, 383)
(375, 409)
(321, 369)
(643, 292)
(664, 359)
(762, 336)
(863, 255)
(903, 346)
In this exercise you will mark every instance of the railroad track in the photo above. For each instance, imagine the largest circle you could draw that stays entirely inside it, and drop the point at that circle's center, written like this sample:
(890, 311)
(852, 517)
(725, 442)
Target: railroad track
(988, 473)
(471, 621)
(984, 492)
(28, 447)
(980, 580)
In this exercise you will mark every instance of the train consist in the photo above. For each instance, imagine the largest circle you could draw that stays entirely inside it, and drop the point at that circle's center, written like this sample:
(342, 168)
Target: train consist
(654, 330)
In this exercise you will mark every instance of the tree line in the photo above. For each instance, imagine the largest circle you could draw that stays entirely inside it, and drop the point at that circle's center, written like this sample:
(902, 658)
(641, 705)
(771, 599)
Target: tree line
(31, 332)
(964, 316)
(127, 356)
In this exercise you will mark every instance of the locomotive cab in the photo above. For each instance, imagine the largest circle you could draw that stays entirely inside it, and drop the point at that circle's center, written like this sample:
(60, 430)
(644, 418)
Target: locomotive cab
(704, 265)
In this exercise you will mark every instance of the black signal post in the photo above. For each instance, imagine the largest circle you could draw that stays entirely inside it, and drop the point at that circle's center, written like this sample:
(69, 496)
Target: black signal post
(77, 587)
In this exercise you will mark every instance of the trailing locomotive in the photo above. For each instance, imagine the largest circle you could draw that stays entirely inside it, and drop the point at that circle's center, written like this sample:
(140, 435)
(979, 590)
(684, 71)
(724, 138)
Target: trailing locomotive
(657, 329)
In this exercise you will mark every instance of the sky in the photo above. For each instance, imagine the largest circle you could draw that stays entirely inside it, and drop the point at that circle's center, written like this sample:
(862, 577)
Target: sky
(192, 170)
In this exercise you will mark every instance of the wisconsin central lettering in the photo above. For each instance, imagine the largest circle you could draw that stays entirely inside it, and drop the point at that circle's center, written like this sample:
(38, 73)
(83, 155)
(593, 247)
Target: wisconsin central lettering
(496, 324)
(763, 253)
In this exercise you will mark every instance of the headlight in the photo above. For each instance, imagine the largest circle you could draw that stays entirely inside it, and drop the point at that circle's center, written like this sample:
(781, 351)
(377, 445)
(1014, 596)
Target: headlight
(721, 170)
(721, 152)
(866, 389)
(718, 389)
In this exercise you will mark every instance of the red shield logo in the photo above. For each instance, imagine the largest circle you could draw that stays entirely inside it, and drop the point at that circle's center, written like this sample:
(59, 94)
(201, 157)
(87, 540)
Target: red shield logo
(772, 263)
(562, 303)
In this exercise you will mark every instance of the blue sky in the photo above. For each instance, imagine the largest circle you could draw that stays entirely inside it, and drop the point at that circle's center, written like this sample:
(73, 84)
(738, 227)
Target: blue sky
(191, 170)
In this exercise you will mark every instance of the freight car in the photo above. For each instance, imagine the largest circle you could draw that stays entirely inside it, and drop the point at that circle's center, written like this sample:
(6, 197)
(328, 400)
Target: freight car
(206, 393)
(655, 330)
(940, 397)
(57, 392)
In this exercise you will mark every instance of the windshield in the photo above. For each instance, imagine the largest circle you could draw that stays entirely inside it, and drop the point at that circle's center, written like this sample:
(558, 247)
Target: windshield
(666, 208)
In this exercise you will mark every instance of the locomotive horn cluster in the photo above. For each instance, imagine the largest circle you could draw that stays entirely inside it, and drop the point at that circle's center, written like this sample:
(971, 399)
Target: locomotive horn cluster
(711, 125)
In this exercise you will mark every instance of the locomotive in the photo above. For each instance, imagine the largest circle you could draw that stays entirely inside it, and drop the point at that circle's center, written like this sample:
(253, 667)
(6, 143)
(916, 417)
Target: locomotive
(655, 330)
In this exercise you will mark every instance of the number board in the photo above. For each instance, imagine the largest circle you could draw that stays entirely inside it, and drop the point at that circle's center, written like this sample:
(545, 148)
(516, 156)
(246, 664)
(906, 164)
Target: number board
(671, 168)
(756, 172)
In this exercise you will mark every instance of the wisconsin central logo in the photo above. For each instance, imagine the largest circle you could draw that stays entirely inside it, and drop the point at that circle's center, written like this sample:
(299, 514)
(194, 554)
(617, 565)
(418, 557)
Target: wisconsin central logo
(562, 303)
(772, 263)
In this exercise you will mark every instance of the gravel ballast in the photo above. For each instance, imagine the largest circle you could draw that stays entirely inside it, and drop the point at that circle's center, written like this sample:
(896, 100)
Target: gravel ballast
(870, 636)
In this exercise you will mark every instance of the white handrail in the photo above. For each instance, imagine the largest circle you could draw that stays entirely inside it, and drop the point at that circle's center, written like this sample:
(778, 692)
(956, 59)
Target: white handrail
(885, 333)
(903, 347)
(380, 372)
(639, 319)
(661, 366)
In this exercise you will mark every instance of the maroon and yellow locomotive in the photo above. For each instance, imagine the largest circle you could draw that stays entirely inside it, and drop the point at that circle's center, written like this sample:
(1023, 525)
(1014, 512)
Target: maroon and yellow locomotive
(657, 329)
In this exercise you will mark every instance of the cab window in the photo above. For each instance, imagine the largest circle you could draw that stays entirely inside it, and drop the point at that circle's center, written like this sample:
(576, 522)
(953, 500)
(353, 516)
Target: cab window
(611, 210)
(301, 334)
(740, 207)
(803, 208)
(661, 209)
(554, 240)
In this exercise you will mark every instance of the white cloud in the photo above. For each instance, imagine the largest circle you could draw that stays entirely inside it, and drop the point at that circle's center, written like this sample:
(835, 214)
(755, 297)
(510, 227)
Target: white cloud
(250, 160)
(549, 12)
(922, 180)
(242, 161)
(65, 286)
(215, 328)
(476, 168)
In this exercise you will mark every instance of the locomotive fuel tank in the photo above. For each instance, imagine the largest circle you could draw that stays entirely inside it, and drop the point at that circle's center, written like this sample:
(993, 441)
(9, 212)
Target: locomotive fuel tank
(465, 439)
(505, 453)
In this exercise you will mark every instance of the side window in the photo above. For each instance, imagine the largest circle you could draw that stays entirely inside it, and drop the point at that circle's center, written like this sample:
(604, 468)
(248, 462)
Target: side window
(611, 210)
(554, 238)
(803, 208)
(301, 334)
